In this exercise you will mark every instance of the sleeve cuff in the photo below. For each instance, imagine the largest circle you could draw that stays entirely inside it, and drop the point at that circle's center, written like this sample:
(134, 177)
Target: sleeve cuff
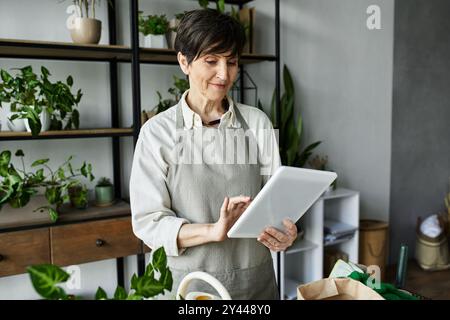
(173, 228)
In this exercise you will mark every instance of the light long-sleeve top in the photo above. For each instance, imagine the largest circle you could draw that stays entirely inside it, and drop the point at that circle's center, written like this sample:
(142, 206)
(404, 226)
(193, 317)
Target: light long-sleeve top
(153, 219)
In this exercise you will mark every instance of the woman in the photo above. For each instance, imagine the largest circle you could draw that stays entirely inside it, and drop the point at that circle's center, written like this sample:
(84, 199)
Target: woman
(189, 206)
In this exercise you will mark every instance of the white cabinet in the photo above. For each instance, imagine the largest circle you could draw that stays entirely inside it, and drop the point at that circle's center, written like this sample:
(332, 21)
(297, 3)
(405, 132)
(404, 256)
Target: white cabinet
(303, 261)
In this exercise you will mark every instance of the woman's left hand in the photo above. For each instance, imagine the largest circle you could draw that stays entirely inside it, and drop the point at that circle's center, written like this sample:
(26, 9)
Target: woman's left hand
(277, 240)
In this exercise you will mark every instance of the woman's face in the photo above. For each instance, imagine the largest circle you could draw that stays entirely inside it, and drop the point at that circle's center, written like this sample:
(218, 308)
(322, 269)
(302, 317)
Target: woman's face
(212, 75)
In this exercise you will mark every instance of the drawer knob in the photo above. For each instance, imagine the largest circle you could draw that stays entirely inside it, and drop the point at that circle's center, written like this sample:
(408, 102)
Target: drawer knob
(2, 258)
(99, 242)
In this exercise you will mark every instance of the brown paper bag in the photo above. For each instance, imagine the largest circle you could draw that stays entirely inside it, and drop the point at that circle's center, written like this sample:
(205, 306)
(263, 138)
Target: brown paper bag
(336, 289)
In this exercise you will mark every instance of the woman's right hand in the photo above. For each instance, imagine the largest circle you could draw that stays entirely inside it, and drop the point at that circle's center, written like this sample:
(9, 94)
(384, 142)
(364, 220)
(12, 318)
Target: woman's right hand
(231, 210)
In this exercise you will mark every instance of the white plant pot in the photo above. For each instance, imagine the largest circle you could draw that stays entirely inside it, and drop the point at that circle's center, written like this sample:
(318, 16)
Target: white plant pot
(16, 125)
(155, 41)
(45, 121)
(86, 30)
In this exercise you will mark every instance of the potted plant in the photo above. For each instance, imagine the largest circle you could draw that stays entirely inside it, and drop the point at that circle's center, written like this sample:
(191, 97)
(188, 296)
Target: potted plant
(17, 186)
(155, 281)
(104, 192)
(78, 195)
(22, 93)
(180, 86)
(42, 104)
(291, 131)
(153, 30)
(173, 26)
(84, 27)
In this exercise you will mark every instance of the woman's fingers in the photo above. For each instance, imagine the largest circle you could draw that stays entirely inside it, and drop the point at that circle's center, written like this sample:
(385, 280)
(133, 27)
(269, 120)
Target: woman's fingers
(277, 234)
(270, 242)
(235, 201)
(225, 204)
(291, 228)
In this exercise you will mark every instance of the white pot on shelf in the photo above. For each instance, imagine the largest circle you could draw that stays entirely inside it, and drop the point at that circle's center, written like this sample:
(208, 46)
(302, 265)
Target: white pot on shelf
(44, 116)
(155, 41)
(86, 30)
(17, 125)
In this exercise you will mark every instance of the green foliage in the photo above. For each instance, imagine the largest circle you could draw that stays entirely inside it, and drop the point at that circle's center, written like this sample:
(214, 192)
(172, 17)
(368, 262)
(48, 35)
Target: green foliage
(220, 5)
(104, 182)
(46, 277)
(78, 195)
(17, 185)
(291, 131)
(153, 24)
(180, 86)
(30, 95)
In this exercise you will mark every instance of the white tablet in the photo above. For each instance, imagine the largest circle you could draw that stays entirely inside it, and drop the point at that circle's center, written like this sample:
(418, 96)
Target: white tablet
(289, 193)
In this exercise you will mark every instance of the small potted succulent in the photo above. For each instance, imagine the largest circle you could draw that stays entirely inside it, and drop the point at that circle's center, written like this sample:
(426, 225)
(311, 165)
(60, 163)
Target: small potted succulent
(78, 195)
(104, 192)
(153, 30)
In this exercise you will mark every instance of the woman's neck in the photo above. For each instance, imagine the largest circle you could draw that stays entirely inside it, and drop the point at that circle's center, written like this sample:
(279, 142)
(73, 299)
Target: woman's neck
(208, 110)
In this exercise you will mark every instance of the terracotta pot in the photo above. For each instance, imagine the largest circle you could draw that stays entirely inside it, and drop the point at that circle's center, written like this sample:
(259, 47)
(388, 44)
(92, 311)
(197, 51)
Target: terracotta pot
(86, 31)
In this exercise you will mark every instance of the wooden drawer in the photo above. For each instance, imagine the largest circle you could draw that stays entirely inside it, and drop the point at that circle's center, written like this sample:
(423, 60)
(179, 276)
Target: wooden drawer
(91, 241)
(21, 249)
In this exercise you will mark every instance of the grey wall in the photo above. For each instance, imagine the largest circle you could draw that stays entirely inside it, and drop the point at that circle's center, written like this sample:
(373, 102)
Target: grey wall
(343, 80)
(421, 114)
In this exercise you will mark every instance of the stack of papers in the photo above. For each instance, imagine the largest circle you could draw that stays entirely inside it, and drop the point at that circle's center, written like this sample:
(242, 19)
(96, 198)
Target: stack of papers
(337, 231)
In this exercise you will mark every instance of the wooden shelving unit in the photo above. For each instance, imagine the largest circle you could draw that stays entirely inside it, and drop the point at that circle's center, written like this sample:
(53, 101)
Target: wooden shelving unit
(112, 54)
(68, 134)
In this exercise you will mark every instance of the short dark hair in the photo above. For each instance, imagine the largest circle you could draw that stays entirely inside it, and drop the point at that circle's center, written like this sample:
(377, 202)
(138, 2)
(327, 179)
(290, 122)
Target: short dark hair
(206, 31)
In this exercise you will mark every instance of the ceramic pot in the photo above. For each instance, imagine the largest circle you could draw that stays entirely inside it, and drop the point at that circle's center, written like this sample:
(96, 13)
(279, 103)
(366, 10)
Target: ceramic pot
(86, 31)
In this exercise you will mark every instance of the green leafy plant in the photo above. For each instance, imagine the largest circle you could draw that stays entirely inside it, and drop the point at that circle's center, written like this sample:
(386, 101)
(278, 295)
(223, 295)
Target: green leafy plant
(153, 24)
(17, 185)
(104, 182)
(29, 95)
(78, 195)
(45, 279)
(291, 131)
(220, 5)
(179, 87)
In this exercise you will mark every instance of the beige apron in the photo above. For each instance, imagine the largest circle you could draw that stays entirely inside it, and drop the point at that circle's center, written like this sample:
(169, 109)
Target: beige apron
(197, 191)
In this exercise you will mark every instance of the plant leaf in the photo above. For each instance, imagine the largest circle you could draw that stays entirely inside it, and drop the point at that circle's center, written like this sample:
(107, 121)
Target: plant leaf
(148, 287)
(53, 214)
(45, 278)
(101, 294)
(69, 81)
(166, 280)
(120, 293)
(159, 260)
(288, 83)
(19, 153)
(39, 162)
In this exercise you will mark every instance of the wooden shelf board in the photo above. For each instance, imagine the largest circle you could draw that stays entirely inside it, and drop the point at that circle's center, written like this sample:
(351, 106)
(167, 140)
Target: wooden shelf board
(80, 133)
(150, 55)
(13, 48)
(25, 218)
